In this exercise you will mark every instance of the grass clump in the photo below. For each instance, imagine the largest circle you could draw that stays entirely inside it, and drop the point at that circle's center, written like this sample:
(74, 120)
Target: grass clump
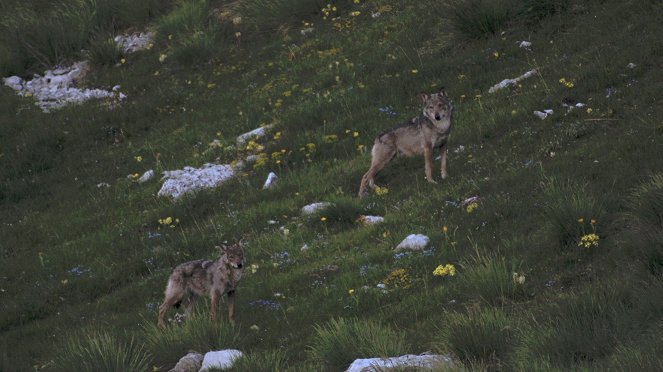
(262, 361)
(273, 15)
(492, 279)
(197, 333)
(101, 351)
(104, 51)
(477, 19)
(645, 216)
(338, 342)
(484, 337)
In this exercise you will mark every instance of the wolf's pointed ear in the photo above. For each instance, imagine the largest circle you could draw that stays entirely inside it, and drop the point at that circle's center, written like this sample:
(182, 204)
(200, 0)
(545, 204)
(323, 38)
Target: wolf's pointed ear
(222, 247)
(242, 243)
(443, 92)
(424, 97)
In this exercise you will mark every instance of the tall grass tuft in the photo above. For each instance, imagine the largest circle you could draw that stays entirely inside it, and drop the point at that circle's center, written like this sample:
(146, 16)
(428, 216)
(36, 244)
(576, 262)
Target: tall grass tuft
(197, 333)
(645, 217)
(338, 342)
(491, 278)
(483, 337)
(477, 19)
(104, 51)
(263, 361)
(579, 329)
(101, 351)
(273, 15)
(569, 210)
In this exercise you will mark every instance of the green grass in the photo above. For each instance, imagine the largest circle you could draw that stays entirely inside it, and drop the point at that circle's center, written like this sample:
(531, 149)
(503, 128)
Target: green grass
(75, 255)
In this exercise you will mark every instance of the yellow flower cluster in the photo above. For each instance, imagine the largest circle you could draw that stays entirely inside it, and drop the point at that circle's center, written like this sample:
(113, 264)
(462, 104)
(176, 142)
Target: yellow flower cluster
(445, 270)
(328, 11)
(398, 278)
(472, 207)
(566, 83)
(381, 191)
(589, 240)
(254, 146)
(261, 162)
(330, 138)
(169, 221)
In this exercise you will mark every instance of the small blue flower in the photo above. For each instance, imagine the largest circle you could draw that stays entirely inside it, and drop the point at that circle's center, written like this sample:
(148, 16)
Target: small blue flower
(388, 110)
(267, 304)
(402, 255)
(78, 271)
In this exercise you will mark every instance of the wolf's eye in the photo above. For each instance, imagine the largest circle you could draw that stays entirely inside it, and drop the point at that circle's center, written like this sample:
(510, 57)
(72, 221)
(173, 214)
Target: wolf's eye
(430, 107)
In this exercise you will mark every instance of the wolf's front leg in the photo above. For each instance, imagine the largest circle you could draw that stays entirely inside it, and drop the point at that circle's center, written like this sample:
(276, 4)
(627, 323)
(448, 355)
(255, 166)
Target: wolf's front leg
(231, 307)
(428, 158)
(443, 161)
(215, 304)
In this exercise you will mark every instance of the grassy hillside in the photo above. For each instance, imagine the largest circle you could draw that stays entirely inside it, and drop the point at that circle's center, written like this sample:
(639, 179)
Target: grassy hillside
(83, 267)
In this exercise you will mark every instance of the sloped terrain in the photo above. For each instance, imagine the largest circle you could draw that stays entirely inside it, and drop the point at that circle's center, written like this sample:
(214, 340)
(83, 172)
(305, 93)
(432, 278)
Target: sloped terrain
(557, 257)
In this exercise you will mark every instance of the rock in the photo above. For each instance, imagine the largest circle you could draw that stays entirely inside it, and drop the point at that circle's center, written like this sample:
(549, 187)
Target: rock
(271, 181)
(56, 88)
(220, 359)
(146, 176)
(631, 65)
(315, 207)
(189, 363)
(371, 220)
(425, 361)
(525, 45)
(414, 242)
(258, 132)
(506, 82)
(543, 114)
(180, 182)
(134, 42)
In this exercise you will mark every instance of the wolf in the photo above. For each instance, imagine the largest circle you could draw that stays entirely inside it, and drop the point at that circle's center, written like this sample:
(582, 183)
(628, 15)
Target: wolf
(421, 135)
(206, 278)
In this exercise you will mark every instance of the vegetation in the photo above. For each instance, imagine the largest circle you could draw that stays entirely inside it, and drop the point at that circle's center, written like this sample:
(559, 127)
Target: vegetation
(557, 265)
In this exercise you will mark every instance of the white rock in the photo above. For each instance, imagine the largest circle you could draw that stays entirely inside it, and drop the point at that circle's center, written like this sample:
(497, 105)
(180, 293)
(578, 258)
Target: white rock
(543, 114)
(420, 361)
(525, 45)
(56, 88)
(506, 82)
(415, 242)
(134, 42)
(315, 207)
(470, 200)
(146, 176)
(256, 133)
(305, 247)
(271, 181)
(220, 359)
(103, 184)
(188, 363)
(371, 220)
(189, 179)
(631, 65)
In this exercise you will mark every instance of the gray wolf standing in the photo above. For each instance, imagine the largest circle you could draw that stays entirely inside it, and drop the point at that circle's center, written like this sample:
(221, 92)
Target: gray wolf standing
(206, 278)
(421, 135)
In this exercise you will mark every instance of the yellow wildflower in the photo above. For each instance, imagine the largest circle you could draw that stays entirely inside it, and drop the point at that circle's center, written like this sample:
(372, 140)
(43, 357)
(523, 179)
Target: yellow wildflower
(445, 270)
(381, 191)
(589, 240)
(351, 291)
(356, 13)
(472, 207)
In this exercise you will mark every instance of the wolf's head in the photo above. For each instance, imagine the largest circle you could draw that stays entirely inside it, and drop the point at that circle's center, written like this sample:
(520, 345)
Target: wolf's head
(234, 255)
(437, 106)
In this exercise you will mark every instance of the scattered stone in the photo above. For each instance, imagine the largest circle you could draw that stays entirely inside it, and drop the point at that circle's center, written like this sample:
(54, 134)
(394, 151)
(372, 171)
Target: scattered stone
(470, 200)
(180, 182)
(189, 363)
(256, 133)
(525, 45)
(104, 185)
(134, 42)
(305, 247)
(220, 359)
(631, 65)
(571, 103)
(254, 328)
(414, 242)
(371, 220)
(56, 88)
(146, 176)
(506, 82)
(424, 361)
(459, 149)
(271, 181)
(543, 114)
(610, 91)
(315, 207)
(307, 31)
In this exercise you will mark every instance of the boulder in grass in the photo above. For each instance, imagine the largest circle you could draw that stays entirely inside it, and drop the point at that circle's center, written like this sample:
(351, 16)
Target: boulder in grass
(220, 359)
(414, 242)
(256, 133)
(315, 207)
(189, 363)
(188, 180)
(420, 362)
(271, 181)
(370, 220)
